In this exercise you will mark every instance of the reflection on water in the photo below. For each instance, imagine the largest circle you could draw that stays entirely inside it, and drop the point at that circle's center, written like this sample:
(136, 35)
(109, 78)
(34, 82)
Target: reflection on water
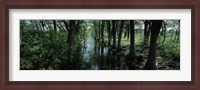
(88, 50)
(97, 57)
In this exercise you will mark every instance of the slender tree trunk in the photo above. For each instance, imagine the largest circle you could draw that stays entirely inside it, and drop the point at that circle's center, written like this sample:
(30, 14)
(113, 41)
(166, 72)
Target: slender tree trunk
(114, 33)
(151, 62)
(146, 24)
(109, 33)
(41, 22)
(54, 25)
(102, 32)
(132, 41)
(148, 33)
(178, 36)
(120, 35)
(70, 38)
(99, 30)
(96, 31)
(128, 32)
(164, 32)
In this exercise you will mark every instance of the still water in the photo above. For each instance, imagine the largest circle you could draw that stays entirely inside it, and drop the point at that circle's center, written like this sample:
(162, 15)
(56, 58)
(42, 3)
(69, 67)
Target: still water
(97, 57)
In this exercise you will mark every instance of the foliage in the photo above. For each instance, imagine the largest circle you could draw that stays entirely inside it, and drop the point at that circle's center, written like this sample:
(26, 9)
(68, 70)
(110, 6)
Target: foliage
(45, 46)
(43, 49)
(170, 50)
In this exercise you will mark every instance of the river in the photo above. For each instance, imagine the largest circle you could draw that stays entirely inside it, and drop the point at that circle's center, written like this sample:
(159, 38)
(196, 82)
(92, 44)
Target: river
(97, 57)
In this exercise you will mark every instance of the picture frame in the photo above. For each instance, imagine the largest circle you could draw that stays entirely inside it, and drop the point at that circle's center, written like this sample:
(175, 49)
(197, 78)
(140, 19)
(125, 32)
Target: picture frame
(102, 4)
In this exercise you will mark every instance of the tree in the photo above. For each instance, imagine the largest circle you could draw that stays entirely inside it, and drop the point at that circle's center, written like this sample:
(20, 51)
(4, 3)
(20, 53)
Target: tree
(96, 30)
(127, 27)
(71, 30)
(132, 41)
(163, 31)
(99, 30)
(114, 33)
(60, 26)
(54, 25)
(120, 35)
(42, 23)
(102, 32)
(109, 32)
(151, 63)
(146, 25)
(177, 37)
(35, 25)
(72, 27)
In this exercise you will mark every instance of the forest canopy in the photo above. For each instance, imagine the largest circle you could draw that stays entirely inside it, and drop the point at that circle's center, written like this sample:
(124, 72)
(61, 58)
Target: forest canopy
(99, 44)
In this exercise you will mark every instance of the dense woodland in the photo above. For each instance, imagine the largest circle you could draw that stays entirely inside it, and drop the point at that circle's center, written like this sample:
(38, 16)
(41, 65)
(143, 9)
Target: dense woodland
(100, 44)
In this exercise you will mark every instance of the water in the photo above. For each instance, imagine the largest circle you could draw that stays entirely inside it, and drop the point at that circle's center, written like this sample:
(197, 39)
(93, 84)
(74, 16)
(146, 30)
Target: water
(94, 56)
(88, 51)
(97, 57)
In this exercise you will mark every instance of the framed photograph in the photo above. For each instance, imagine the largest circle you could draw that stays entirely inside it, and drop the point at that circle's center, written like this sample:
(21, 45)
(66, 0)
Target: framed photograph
(101, 44)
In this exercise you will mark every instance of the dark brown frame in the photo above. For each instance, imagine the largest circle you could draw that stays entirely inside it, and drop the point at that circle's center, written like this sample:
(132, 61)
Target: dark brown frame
(99, 4)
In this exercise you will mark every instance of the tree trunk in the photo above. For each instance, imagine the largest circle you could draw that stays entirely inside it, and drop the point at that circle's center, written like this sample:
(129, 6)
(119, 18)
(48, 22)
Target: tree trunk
(96, 30)
(146, 24)
(114, 33)
(128, 32)
(178, 36)
(36, 23)
(164, 32)
(109, 33)
(132, 41)
(148, 32)
(70, 38)
(151, 62)
(99, 30)
(102, 33)
(54, 25)
(120, 36)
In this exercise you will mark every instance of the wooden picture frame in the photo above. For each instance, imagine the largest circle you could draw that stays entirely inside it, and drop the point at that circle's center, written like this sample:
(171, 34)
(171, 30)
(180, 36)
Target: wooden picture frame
(96, 4)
